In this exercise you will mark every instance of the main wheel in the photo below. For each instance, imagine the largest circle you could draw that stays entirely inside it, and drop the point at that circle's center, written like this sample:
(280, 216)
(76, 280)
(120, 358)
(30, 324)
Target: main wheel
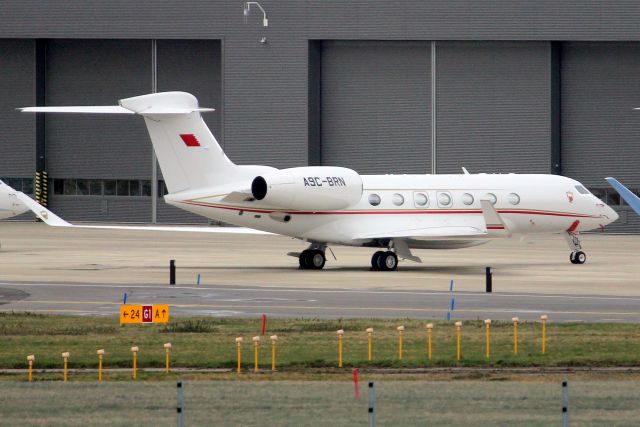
(580, 257)
(315, 259)
(374, 260)
(302, 259)
(388, 261)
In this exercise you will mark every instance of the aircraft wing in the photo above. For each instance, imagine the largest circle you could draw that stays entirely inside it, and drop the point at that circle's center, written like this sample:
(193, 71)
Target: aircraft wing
(239, 196)
(494, 226)
(626, 194)
(435, 232)
(54, 220)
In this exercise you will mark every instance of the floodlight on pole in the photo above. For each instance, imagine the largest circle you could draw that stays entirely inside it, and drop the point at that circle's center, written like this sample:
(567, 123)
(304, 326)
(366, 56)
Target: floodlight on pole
(247, 9)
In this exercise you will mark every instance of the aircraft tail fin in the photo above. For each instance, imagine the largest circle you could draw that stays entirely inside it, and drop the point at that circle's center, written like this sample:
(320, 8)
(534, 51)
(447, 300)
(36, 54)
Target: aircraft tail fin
(188, 153)
(626, 194)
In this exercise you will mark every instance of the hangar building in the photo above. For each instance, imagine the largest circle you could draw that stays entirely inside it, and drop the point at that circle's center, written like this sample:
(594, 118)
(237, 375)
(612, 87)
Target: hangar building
(407, 86)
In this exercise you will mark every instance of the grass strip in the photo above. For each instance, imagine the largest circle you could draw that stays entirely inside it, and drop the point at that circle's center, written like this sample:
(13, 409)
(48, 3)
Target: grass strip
(208, 342)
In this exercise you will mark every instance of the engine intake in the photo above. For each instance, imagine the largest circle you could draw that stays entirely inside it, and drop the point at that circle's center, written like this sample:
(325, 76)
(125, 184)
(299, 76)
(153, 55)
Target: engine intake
(313, 188)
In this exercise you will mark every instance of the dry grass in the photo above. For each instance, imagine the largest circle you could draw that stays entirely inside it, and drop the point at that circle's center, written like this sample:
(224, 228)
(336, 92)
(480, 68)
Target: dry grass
(301, 403)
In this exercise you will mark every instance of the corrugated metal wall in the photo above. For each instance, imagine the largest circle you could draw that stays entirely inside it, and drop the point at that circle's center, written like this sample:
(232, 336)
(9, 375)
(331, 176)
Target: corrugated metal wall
(192, 66)
(17, 89)
(600, 129)
(265, 85)
(493, 102)
(376, 100)
(97, 72)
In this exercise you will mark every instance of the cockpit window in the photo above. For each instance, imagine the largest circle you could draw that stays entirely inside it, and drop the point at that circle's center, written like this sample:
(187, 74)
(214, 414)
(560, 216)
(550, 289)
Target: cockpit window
(581, 189)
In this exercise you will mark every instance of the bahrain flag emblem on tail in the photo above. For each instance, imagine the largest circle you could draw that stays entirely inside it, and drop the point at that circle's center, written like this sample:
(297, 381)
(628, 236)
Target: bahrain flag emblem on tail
(189, 140)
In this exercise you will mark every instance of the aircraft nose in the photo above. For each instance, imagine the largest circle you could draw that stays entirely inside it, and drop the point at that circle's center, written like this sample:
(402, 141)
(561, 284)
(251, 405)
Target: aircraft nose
(613, 215)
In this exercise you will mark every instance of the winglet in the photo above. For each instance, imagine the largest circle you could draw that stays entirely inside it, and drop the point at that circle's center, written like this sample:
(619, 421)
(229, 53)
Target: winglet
(493, 221)
(627, 195)
(41, 212)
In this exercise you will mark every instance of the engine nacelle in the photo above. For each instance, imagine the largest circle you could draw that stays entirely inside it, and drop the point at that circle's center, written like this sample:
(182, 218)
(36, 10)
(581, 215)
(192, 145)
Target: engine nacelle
(313, 188)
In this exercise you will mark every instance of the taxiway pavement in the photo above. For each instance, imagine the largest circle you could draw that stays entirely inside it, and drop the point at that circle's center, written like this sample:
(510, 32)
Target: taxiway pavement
(104, 299)
(84, 271)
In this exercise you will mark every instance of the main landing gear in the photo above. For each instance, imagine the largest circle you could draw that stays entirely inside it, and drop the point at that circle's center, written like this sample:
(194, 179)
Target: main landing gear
(312, 259)
(384, 261)
(576, 256)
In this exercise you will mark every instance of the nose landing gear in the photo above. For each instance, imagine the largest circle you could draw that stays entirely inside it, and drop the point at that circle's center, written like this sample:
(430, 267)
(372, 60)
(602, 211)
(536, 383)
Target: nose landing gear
(576, 256)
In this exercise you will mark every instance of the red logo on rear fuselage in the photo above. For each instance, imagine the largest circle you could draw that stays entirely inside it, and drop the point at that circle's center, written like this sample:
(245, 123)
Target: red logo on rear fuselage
(190, 140)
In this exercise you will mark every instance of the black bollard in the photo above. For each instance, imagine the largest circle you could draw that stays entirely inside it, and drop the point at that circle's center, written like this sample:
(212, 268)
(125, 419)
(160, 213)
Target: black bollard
(489, 279)
(172, 272)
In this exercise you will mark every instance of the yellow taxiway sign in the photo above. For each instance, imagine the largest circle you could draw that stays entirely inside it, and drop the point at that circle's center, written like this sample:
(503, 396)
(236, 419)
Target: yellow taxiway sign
(158, 313)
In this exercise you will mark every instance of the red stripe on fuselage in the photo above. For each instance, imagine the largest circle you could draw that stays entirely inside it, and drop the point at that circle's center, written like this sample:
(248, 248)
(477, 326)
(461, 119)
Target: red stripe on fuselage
(393, 212)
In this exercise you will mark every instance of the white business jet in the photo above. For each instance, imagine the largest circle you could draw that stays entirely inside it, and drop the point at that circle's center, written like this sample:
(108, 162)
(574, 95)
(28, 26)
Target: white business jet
(326, 205)
(10, 204)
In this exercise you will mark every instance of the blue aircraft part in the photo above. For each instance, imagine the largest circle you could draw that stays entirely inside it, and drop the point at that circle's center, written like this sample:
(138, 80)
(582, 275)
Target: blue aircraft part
(626, 194)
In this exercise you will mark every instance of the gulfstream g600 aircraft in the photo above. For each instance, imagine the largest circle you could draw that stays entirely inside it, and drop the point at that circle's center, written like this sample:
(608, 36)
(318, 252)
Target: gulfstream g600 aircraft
(327, 205)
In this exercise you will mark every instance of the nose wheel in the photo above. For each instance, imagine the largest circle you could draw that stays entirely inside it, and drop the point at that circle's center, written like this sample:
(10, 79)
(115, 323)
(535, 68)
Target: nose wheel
(312, 259)
(578, 257)
(384, 261)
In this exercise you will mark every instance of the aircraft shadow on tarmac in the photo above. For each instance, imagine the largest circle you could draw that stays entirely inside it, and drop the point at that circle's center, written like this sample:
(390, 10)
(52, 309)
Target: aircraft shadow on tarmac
(449, 269)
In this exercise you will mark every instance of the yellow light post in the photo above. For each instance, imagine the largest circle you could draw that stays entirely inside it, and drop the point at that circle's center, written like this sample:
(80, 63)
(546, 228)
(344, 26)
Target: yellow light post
(544, 318)
(429, 334)
(65, 357)
(400, 333)
(167, 357)
(30, 359)
(487, 324)
(100, 355)
(239, 350)
(515, 335)
(458, 333)
(135, 350)
(340, 333)
(370, 343)
(256, 351)
(274, 339)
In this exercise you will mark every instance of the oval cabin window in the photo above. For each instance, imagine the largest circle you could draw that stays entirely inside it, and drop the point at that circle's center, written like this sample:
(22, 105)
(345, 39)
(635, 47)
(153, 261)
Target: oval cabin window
(514, 199)
(420, 199)
(467, 199)
(444, 199)
(397, 199)
(374, 199)
(492, 198)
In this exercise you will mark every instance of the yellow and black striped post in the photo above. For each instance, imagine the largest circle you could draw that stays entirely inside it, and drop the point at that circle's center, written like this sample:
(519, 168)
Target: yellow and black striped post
(41, 188)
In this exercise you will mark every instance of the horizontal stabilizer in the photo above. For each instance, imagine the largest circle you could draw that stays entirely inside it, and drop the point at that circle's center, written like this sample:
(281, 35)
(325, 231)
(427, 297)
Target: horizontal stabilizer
(102, 109)
(114, 109)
